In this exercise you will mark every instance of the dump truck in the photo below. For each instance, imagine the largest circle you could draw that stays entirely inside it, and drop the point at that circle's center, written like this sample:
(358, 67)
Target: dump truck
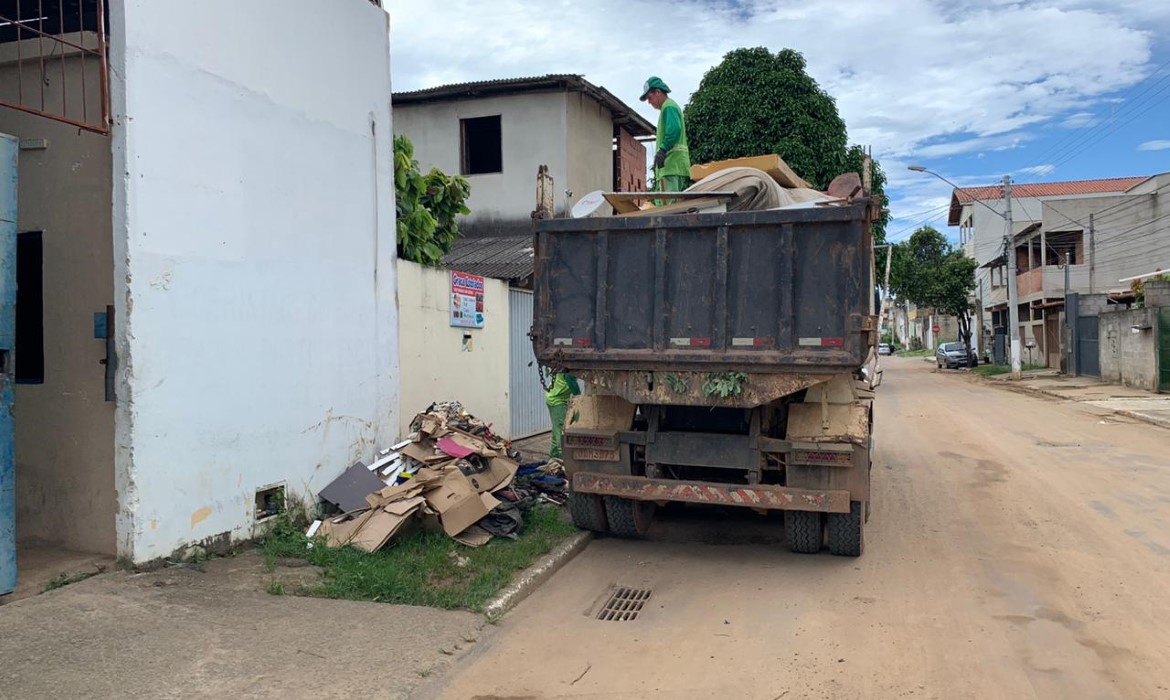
(729, 360)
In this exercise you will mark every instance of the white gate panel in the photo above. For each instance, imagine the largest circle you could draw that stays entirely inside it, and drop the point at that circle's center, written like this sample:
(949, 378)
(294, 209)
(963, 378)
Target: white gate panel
(525, 394)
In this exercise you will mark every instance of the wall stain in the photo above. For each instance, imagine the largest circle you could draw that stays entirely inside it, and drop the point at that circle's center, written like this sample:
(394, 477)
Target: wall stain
(200, 515)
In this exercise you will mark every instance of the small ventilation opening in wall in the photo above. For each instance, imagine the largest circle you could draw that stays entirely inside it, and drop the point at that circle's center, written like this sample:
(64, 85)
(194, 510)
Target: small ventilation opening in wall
(269, 501)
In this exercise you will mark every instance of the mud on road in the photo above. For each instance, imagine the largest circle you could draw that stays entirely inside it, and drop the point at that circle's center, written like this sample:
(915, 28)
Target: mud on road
(1019, 548)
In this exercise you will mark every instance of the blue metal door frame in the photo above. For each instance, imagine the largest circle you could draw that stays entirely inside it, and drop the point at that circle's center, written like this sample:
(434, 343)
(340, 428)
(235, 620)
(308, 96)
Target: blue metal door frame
(9, 147)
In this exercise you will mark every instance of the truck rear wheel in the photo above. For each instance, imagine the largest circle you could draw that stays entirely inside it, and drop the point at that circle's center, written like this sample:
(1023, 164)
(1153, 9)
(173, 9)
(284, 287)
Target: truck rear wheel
(804, 531)
(627, 517)
(847, 531)
(588, 512)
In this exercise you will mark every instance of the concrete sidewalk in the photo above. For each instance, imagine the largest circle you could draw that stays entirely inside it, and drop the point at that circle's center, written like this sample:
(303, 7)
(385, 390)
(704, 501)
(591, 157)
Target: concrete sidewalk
(182, 632)
(1114, 398)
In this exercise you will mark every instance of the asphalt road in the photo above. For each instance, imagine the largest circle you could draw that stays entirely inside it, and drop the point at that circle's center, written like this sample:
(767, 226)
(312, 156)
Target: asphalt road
(1019, 548)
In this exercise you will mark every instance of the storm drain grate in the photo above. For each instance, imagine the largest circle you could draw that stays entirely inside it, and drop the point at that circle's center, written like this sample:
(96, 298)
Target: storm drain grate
(624, 605)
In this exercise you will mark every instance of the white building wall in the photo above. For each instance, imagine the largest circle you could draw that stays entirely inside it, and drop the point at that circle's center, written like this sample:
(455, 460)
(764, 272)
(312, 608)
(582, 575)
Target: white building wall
(1131, 233)
(437, 363)
(254, 257)
(533, 129)
(590, 135)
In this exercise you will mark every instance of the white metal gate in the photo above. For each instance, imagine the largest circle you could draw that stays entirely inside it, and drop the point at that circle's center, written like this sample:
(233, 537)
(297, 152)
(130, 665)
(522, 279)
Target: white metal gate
(529, 415)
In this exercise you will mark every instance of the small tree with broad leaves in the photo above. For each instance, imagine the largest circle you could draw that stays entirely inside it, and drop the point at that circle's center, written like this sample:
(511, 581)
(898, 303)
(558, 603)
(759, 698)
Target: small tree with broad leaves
(426, 207)
(928, 271)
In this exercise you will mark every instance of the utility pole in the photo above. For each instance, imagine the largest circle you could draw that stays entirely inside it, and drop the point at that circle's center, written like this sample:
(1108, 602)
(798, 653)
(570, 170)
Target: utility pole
(885, 293)
(1092, 256)
(1013, 295)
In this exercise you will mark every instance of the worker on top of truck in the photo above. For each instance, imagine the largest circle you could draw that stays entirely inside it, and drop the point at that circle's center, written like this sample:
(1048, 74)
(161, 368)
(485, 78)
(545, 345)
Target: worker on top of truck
(672, 159)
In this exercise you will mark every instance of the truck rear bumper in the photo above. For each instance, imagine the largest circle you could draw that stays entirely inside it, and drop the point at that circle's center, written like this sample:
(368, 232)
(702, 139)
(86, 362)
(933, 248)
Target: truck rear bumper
(640, 488)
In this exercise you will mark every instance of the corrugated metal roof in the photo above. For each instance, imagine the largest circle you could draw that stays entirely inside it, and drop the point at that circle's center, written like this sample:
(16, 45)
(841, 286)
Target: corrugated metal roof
(966, 195)
(479, 86)
(499, 258)
(623, 114)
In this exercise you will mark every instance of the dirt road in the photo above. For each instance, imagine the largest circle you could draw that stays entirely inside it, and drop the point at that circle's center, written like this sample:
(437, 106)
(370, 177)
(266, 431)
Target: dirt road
(1019, 548)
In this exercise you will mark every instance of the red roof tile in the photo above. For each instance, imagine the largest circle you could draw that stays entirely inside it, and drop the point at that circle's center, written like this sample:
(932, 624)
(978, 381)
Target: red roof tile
(965, 195)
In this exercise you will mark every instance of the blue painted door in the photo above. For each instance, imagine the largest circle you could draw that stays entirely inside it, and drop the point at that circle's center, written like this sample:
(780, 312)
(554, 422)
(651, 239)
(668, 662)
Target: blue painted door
(9, 147)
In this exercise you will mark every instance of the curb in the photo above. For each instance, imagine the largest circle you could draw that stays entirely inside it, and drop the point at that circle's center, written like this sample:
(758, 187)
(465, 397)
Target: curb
(531, 578)
(1160, 422)
(1019, 388)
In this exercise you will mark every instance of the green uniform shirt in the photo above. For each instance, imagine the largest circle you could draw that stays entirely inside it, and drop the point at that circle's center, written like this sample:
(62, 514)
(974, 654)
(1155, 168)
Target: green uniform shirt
(672, 138)
(564, 386)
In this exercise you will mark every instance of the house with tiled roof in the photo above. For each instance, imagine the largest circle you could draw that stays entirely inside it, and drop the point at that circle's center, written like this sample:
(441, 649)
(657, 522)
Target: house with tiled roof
(496, 133)
(1078, 237)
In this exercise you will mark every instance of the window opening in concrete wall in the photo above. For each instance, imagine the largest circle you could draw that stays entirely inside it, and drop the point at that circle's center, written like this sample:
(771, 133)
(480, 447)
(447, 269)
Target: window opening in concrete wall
(1062, 243)
(482, 145)
(39, 38)
(270, 501)
(30, 306)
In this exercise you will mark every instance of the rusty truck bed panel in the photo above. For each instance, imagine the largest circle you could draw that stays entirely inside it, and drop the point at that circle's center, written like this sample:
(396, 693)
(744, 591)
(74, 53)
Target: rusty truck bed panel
(772, 291)
(640, 488)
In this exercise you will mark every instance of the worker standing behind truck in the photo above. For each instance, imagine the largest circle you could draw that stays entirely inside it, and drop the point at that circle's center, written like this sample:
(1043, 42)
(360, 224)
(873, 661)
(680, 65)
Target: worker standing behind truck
(672, 158)
(563, 388)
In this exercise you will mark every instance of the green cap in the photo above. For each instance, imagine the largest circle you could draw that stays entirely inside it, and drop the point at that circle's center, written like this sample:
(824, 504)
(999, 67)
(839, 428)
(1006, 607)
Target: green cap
(653, 83)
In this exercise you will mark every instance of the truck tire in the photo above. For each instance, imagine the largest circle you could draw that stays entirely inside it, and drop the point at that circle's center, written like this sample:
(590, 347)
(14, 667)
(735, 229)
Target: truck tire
(627, 517)
(804, 531)
(847, 532)
(588, 512)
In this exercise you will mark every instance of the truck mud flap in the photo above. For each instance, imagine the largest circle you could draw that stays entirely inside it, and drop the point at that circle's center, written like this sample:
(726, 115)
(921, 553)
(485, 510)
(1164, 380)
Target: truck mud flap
(767, 497)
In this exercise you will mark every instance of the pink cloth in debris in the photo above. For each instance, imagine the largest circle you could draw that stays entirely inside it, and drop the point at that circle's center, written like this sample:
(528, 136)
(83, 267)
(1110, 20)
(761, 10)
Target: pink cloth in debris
(453, 448)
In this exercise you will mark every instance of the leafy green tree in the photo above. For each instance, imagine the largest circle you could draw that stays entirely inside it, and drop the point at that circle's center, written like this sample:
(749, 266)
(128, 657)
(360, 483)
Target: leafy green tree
(756, 102)
(929, 272)
(426, 206)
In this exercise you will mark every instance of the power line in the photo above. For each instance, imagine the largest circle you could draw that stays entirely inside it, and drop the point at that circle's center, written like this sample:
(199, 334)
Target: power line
(1117, 126)
(1131, 202)
(1114, 239)
(933, 214)
(1071, 140)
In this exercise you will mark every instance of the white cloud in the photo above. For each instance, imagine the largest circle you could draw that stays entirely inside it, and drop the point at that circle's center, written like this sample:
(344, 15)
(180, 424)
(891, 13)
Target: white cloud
(1039, 170)
(1080, 120)
(1157, 145)
(915, 79)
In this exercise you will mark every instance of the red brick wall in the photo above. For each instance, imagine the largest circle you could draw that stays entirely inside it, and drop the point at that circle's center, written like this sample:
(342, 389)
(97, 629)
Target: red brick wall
(629, 163)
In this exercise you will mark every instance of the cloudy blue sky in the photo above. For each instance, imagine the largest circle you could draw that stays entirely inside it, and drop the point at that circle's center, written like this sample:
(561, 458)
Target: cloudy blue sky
(1042, 90)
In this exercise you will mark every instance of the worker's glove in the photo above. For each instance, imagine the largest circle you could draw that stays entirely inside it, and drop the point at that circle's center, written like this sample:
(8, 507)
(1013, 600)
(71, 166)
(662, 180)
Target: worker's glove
(660, 159)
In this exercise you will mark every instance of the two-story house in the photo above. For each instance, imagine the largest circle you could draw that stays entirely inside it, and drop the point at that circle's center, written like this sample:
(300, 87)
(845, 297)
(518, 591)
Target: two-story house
(979, 214)
(496, 133)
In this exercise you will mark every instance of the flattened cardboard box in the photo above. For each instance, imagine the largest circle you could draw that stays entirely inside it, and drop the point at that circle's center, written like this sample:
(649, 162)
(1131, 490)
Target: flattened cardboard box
(383, 523)
(500, 473)
(457, 502)
(339, 534)
(424, 452)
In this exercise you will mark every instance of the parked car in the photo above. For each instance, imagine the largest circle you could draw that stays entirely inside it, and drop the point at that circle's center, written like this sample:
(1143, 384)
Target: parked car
(952, 355)
(885, 349)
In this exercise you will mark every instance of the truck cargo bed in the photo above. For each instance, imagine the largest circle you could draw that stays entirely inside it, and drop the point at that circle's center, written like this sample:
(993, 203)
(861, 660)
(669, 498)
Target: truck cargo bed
(769, 291)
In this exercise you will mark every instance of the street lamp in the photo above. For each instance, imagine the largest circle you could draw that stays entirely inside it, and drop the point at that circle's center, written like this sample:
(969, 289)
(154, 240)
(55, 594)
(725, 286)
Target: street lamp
(1009, 252)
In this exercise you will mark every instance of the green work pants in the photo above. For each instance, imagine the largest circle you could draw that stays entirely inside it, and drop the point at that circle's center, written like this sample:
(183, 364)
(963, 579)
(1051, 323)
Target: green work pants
(557, 413)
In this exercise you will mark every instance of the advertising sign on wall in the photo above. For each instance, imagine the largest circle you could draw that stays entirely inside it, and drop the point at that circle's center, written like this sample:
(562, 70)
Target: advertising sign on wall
(466, 300)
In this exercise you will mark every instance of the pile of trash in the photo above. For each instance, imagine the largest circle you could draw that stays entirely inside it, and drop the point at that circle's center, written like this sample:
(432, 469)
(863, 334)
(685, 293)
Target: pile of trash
(452, 474)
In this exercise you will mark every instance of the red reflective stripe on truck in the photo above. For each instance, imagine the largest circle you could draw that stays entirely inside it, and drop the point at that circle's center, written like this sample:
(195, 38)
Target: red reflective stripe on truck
(752, 342)
(821, 342)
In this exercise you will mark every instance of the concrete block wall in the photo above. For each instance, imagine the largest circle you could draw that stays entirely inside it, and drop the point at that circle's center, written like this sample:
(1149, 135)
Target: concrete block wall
(1129, 356)
(1157, 294)
(1093, 304)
